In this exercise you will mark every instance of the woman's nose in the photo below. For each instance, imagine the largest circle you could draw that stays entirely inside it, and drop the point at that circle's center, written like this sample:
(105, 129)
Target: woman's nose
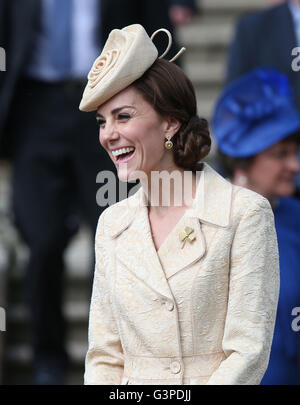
(109, 132)
(294, 163)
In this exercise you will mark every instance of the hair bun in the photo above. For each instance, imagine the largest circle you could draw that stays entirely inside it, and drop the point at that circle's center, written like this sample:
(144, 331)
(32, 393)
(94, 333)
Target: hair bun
(171, 93)
(192, 143)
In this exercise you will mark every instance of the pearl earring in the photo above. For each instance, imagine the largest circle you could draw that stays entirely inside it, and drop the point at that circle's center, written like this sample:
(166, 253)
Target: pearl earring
(168, 143)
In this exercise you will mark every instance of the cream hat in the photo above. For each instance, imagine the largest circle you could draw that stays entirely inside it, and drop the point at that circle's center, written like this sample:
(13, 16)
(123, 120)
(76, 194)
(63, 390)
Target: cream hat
(126, 55)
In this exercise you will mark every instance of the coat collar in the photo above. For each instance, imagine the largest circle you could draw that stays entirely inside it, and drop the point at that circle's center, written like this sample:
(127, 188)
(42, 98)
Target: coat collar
(212, 203)
(128, 223)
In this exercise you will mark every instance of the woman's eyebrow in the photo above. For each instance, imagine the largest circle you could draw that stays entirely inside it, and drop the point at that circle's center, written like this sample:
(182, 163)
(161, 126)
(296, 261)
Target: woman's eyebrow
(115, 110)
(98, 115)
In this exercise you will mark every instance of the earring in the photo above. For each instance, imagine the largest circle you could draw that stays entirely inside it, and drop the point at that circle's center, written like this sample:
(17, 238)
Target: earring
(242, 180)
(168, 143)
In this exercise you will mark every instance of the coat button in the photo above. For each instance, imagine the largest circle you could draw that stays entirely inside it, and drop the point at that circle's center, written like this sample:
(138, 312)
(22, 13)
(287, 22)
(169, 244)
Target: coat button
(175, 367)
(169, 305)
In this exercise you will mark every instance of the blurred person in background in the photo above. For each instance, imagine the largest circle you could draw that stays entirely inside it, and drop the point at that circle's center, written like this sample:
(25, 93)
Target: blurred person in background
(54, 148)
(182, 11)
(257, 131)
(266, 38)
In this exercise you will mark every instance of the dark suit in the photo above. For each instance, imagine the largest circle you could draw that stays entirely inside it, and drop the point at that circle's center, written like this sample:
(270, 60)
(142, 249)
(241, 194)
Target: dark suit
(191, 4)
(265, 38)
(56, 156)
(17, 33)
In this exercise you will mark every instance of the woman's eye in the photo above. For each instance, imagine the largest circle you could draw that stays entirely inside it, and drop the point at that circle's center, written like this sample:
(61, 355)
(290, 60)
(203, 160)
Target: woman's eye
(280, 154)
(123, 116)
(100, 123)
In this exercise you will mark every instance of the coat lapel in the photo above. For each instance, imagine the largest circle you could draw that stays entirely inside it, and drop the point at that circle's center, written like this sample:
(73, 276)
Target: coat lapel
(134, 244)
(173, 256)
(212, 205)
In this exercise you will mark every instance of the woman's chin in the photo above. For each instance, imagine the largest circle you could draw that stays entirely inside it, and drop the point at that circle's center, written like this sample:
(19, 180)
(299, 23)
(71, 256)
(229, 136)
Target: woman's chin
(286, 190)
(123, 178)
(126, 176)
(130, 175)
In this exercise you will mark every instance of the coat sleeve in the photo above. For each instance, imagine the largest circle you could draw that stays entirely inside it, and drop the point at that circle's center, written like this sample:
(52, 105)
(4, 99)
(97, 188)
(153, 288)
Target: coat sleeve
(252, 299)
(104, 360)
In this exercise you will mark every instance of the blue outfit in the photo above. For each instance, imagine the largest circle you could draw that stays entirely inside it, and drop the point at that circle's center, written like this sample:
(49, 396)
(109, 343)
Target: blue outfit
(284, 365)
(255, 112)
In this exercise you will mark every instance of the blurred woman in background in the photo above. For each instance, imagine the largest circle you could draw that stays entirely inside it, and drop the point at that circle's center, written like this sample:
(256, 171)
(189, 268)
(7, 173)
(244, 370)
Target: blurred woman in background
(257, 130)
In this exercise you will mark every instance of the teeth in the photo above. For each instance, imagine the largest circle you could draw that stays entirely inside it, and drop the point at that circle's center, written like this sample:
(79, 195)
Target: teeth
(121, 151)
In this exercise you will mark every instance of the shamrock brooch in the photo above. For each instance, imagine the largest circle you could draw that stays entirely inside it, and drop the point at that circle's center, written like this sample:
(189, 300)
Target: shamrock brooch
(187, 234)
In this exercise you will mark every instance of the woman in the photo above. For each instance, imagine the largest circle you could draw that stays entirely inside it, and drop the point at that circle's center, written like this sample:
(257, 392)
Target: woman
(257, 129)
(183, 293)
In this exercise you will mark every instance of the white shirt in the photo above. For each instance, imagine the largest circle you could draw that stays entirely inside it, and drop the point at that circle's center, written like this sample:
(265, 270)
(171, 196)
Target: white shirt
(85, 43)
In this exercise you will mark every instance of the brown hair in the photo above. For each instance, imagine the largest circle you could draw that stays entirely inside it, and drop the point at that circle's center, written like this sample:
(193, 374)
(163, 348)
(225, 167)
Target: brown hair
(166, 87)
(230, 163)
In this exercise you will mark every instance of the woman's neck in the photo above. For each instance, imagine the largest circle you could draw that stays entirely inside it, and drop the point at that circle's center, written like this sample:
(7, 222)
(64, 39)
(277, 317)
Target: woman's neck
(169, 190)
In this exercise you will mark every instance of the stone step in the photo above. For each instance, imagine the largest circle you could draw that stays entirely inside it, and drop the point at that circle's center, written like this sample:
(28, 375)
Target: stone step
(77, 287)
(230, 6)
(212, 30)
(18, 361)
(73, 311)
(205, 34)
(78, 293)
(21, 354)
(22, 375)
(205, 107)
(76, 316)
(206, 74)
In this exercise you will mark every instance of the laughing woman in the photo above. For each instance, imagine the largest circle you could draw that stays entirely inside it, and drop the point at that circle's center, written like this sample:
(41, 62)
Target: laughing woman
(184, 293)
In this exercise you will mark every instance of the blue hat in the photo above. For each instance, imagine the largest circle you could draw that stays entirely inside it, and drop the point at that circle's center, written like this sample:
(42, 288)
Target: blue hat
(254, 112)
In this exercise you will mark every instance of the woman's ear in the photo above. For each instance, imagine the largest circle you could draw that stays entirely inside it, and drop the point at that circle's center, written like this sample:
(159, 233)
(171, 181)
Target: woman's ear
(172, 126)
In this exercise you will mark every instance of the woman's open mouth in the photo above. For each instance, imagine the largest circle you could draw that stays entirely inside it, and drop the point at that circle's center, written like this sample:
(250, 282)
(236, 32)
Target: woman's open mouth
(123, 155)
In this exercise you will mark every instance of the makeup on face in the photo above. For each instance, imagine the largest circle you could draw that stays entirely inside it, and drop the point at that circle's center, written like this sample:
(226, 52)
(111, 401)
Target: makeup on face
(132, 133)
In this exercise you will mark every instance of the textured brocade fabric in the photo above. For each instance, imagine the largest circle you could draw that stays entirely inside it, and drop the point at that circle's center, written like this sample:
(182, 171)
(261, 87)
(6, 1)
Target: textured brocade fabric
(203, 314)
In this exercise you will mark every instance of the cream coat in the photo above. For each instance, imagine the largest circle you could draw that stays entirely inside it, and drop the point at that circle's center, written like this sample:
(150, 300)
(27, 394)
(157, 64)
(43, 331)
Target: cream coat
(203, 314)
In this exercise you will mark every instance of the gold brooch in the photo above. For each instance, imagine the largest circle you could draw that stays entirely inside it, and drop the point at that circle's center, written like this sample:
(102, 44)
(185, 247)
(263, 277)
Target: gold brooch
(187, 235)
